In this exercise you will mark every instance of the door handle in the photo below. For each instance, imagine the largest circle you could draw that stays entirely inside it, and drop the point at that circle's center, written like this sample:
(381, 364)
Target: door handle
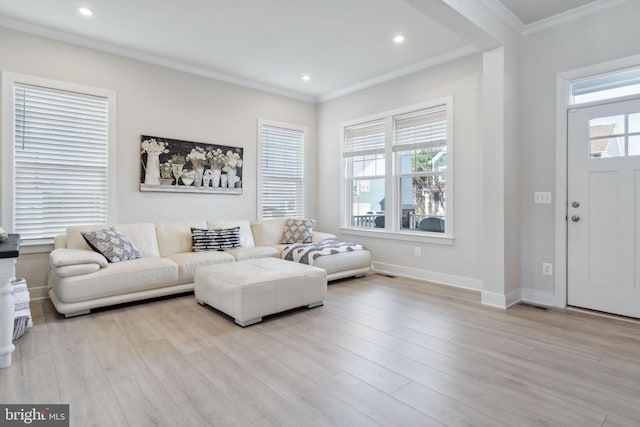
(575, 204)
(575, 218)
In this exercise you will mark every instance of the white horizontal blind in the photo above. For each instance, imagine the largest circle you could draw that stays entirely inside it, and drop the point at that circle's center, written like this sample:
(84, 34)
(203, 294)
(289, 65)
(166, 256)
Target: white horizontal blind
(282, 172)
(420, 129)
(365, 138)
(60, 155)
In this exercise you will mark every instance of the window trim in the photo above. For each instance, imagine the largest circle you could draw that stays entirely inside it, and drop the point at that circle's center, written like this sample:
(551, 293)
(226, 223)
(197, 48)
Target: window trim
(305, 162)
(392, 182)
(7, 190)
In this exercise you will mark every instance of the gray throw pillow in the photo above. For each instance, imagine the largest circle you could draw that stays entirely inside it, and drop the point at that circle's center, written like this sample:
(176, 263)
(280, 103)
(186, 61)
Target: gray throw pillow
(112, 244)
(298, 231)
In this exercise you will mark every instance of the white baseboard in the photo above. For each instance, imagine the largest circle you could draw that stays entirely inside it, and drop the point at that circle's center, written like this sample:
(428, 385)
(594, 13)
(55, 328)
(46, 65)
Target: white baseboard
(535, 296)
(38, 292)
(429, 276)
(501, 301)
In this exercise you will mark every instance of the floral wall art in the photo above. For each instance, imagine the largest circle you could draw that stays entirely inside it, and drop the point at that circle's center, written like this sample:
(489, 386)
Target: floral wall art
(171, 165)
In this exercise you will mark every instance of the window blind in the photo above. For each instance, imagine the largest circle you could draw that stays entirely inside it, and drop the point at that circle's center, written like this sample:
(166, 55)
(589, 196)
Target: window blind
(365, 138)
(282, 172)
(419, 129)
(60, 161)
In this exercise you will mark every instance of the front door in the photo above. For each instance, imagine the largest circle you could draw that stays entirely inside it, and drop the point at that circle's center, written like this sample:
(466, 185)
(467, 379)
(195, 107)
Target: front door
(604, 208)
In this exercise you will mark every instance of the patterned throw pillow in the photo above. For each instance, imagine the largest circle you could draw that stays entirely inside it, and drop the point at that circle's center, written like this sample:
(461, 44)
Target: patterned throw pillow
(215, 239)
(112, 244)
(298, 231)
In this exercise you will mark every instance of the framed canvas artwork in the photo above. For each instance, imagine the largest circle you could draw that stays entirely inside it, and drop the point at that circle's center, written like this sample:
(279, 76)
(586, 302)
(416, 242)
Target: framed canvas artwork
(172, 165)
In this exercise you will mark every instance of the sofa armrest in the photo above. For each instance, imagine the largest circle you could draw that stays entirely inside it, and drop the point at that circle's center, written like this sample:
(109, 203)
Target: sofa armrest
(319, 236)
(62, 257)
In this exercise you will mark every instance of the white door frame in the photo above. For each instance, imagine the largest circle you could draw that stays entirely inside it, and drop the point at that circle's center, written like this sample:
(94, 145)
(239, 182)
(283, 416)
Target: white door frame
(562, 106)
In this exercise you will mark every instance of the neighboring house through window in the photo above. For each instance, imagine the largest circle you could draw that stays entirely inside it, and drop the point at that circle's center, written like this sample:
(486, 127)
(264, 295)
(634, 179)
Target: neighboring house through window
(398, 171)
(282, 177)
(57, 157)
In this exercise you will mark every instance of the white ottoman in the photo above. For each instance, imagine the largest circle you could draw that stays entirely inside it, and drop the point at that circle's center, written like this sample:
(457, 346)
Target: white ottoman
(247, 290)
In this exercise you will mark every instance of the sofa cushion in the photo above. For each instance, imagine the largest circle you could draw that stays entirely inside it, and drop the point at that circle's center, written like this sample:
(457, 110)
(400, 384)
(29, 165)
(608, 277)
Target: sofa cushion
(344, 261)
(204, 239)
(268, 232)
(119, 278)
(246, 236)
(175, 237)
(142, 235)
(298, 231)
(111, 244)
(253, 253)
(188, 262)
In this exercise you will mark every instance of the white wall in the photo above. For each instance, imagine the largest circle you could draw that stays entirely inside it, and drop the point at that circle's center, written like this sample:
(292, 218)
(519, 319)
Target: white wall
(153, 100)
(463, 80)
(606, 35)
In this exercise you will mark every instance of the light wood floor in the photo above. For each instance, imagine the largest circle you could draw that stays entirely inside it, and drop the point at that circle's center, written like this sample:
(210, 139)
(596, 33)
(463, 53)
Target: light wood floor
(382, 351)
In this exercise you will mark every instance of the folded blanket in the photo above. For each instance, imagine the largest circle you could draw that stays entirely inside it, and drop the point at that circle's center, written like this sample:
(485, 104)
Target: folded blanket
(307, 253)
(21, 298)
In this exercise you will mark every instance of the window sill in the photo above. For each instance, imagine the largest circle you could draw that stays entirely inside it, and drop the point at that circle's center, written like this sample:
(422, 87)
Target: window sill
(399, 235)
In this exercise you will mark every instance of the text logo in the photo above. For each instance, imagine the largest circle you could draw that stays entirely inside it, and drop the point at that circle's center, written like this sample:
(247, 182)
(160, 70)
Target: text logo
(34, 415)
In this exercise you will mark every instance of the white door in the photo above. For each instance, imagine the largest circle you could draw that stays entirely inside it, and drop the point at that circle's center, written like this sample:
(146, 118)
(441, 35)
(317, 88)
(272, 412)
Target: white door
(604, 208)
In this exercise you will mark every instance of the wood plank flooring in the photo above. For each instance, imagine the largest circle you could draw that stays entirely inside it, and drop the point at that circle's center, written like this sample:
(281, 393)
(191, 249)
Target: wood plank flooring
(381, 351)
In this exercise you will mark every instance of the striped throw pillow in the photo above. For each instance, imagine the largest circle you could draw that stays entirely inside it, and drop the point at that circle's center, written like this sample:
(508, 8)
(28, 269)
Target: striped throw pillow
(215, 239)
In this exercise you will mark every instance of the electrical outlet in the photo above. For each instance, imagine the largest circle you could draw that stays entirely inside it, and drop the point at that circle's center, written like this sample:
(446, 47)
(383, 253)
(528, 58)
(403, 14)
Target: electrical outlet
(417, 251)
(547, 269)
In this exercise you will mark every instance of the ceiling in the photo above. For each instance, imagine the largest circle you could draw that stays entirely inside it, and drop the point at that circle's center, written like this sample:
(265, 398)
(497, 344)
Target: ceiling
(341, 44)
(530, 11)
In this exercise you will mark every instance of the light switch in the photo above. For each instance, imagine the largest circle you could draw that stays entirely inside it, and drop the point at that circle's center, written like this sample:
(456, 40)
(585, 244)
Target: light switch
(542, 197)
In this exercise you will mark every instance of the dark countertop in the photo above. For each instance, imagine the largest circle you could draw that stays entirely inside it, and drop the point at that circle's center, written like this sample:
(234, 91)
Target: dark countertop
(10, 248)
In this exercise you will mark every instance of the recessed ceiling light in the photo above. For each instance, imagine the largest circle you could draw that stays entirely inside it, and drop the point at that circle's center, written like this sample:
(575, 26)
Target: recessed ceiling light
(306, 77)
(85, 11)
(398, 39)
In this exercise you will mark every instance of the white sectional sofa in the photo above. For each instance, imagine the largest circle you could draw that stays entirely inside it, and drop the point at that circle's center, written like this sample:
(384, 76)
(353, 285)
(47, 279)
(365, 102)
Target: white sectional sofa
(81, 279)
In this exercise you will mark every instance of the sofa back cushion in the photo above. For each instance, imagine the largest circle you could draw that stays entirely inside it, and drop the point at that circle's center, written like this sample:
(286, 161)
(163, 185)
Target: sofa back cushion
(268, 232)
(175, 237)
(246, 236)
(142, 235)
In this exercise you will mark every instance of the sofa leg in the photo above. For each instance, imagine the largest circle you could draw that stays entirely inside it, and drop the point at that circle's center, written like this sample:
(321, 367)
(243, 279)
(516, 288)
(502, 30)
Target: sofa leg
(316, 304)
(249, 322)
(76, 313)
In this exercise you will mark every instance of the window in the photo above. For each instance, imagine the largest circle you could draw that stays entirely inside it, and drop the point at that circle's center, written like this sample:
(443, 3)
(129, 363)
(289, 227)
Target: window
(420, 148)
(605, 86)
(58, 162)
(282, 178)
(364, 151)
(397, 171)
(614, 136)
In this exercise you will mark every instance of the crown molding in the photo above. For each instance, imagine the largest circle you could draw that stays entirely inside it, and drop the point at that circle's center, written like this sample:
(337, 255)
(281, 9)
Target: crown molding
(78, 40)
(400, 72)
(74, 39)
(570, 15)
(505, 14)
